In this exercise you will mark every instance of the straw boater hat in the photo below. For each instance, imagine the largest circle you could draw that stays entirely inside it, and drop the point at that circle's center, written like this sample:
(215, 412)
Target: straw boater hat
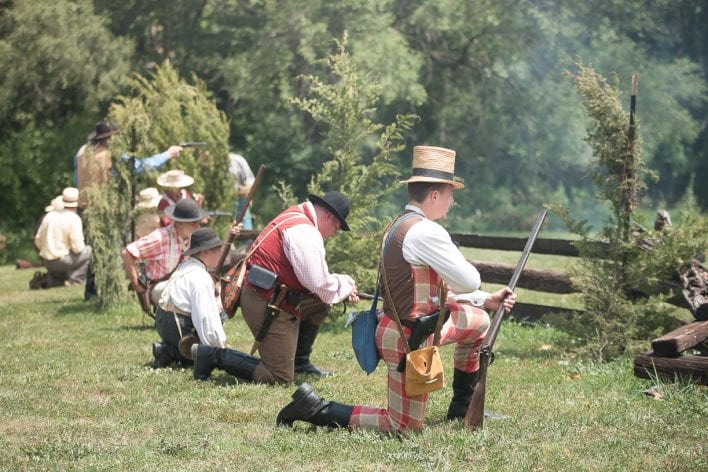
(434, 164)
(56, 204)
(70, 197)
(185, 211)
(336, 203)
(174, 178)
(202, 240)
(148, 198)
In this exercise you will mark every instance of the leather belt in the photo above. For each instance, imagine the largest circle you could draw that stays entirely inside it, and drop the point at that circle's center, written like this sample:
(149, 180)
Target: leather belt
(292, 298)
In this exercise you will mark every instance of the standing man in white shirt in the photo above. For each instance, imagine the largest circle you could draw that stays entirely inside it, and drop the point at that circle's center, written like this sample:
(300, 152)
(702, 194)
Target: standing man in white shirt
(188, 301)
(420, 254)
(291, 246)
(243, 179)
(60, 240)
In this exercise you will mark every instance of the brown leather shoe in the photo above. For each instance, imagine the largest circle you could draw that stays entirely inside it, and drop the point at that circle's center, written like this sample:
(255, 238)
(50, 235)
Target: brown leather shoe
(185, 346)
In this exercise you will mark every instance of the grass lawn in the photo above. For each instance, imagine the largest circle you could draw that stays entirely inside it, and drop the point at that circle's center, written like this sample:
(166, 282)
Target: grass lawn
(77, 393)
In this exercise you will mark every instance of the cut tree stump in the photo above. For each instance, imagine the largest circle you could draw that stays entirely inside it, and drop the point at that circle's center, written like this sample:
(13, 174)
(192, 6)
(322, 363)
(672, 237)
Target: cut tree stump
(673, 343)
(649, 366)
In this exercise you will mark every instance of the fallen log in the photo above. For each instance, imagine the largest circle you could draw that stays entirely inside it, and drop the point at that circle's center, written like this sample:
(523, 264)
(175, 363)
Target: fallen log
(543, 280)
(673, 343)
(557, 247)
(531, 312)
(650, 366)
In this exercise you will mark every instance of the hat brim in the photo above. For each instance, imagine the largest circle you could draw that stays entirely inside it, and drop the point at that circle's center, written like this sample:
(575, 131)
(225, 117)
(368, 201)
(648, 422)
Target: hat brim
(71, 204)
(93, 136)
(148, 205)
(320, 201)
(206, 247)
(170, 213)
(456, 185)
(182, 182)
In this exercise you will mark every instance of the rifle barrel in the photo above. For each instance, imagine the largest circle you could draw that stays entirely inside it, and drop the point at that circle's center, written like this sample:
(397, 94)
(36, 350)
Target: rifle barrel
(475, 412)
(225, 249)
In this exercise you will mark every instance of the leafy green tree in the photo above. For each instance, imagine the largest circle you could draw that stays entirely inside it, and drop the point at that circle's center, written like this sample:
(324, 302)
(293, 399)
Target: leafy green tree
(610, 276)
(58, 63)
(161, 109)
(361, 165)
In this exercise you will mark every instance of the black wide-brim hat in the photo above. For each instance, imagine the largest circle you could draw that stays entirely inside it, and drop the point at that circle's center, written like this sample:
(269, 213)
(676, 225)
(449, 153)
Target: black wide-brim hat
(103, 130)
(203, 239)
(185, 211)
(336, 203)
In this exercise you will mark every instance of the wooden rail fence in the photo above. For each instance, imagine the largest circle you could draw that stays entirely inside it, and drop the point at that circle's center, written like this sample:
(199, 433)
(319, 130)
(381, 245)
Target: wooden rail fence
(542, 280)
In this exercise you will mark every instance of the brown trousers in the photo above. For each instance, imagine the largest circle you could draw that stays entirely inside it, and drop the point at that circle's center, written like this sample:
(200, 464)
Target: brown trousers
(277, 349)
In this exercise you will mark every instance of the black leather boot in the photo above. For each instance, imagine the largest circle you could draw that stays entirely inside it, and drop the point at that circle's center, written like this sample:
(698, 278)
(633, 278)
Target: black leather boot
(308, 406)
(207, 358)
(463, 384)
(305, 340)
(163, 355)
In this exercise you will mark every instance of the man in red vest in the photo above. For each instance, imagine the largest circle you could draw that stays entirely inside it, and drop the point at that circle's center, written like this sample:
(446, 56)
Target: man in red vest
(291, 246)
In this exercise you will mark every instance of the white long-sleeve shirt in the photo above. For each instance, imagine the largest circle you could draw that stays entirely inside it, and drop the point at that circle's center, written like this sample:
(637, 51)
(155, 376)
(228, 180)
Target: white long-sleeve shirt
(191, 290)
(429, 244)
(60, 233)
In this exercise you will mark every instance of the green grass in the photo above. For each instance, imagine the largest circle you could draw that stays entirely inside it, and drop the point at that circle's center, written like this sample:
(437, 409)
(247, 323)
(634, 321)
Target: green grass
(77, 393)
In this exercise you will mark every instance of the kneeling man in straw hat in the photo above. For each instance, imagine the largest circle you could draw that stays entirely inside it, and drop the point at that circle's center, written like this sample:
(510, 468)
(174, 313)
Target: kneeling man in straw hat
(61, 244)
(419, 255)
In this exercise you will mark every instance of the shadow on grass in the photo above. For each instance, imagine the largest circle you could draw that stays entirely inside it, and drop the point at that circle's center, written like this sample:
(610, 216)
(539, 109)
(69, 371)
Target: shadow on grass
(73, 308)
(146, 327)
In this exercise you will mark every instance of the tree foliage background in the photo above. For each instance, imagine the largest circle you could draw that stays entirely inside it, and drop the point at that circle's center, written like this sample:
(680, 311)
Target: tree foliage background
(484, 76)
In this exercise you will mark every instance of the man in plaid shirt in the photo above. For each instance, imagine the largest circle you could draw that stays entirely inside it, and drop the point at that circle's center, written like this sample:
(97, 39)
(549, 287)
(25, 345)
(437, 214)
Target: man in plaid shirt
(419, 255)
(161, 250)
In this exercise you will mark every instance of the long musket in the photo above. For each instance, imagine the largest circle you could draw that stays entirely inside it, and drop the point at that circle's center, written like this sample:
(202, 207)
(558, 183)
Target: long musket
(475, 412)
(227, 247)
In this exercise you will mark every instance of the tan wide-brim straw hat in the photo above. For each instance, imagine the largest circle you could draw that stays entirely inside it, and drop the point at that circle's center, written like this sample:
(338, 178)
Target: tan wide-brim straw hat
(174, 178)
(434, 164)
(70, 197)
(56, 204)
(148, 198)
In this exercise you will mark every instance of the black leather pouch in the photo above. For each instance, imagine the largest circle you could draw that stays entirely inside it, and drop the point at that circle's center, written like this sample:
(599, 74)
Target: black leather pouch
(261, 277)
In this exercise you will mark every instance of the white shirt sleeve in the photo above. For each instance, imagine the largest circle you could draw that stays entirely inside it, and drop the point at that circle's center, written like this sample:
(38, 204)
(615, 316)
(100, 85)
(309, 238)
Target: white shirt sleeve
(205, 311)
(76, 235)
(304, 248)
(429, 244)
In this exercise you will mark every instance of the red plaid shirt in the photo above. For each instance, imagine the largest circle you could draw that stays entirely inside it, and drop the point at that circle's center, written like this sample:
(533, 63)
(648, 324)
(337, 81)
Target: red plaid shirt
(161, 251)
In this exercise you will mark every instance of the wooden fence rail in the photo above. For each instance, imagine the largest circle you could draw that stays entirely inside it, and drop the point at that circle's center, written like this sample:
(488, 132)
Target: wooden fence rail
(542, 280)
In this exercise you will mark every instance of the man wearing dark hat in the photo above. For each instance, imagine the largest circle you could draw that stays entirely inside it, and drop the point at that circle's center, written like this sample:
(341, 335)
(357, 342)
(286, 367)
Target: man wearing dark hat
(162, 249)
(419, 255)
(187, 303)
(291, 246)
(95, 169)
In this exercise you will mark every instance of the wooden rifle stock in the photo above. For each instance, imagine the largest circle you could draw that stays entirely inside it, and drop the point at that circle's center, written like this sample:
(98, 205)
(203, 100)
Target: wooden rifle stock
(475, 412)
(227, 247)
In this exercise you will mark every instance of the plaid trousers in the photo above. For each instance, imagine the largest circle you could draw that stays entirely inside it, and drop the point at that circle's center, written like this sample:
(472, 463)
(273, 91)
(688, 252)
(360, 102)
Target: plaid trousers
(465, 328)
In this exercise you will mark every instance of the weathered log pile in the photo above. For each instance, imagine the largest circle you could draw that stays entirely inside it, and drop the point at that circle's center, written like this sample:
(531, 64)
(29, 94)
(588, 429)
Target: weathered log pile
(667, 361)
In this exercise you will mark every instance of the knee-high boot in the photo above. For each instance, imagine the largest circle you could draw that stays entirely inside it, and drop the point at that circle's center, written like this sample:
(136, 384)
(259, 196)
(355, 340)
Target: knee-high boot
(207, 358)
(463, 384)
(305, 340)
(308, 406)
